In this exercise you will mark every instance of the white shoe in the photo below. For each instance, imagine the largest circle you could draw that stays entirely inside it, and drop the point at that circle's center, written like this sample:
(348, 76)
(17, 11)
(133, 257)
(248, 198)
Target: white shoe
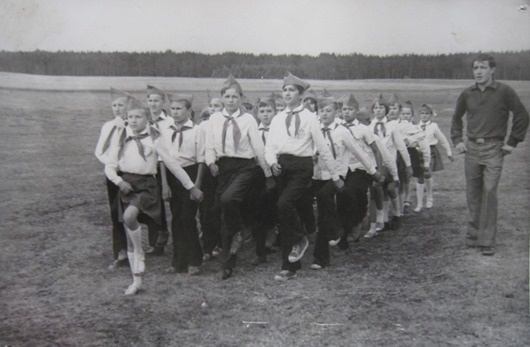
(429, 203)
(315, 266)
(418, 209)
(131, 290)
(371, 233)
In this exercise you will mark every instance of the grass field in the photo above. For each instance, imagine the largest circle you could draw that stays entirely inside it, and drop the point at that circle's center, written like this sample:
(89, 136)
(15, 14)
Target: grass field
(419, 286)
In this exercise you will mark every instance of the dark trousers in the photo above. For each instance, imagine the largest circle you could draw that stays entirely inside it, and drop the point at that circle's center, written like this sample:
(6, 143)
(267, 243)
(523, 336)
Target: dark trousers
(260, 207)
(158, 234)
(306, 212)
(292, 183)
(119, 238)
(187, 249)
(210, 217)
(329, 226)
(235, 178)
(352, 201)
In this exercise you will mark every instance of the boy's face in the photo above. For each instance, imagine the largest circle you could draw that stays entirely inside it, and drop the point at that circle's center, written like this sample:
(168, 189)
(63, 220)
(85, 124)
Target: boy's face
(348, 113)
(393, 112)
(155, 103)
(327, 114)
(291, 95)
(119, 108)
(425, 115)
(179, 112)
(379, 111)
(215, 105)
(482, 72)
(137, 119)
(232, 100)
(406, 113)
(265, 114)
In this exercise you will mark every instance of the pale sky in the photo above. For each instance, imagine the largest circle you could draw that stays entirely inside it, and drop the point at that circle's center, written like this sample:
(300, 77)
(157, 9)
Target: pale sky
(380, 27)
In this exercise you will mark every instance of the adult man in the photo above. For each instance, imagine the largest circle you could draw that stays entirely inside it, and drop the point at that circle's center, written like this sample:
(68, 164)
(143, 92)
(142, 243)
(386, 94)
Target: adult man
(487, 105)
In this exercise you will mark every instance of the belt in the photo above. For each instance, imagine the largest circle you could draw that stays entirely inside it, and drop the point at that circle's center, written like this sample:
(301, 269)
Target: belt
(482, 140)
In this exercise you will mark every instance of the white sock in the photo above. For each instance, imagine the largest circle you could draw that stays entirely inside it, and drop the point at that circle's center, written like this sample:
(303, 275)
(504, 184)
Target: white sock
(139, 257)
(419, 195)
(386, 208)
(428, 185)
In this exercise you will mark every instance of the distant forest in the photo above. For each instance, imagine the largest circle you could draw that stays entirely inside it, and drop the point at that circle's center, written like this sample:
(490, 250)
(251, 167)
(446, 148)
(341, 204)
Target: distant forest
(511, 65)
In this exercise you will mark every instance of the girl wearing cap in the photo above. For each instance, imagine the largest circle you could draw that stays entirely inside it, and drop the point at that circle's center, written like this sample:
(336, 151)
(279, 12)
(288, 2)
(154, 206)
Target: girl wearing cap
(232, 143)
(433, 136)
(293, 135)
(136, 154)
(343, 147)
(183, 138)
(108, 135)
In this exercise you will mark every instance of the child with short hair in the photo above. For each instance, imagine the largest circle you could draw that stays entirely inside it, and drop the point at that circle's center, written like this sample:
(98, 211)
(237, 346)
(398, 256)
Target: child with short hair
(109, 134)
(433, 136)
(136, 156)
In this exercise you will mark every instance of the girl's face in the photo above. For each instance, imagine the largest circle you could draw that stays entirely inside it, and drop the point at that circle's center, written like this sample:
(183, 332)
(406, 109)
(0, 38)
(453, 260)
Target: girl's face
(155, 103)
(406, 114)
(425, 114)
(280, 106)
(231, 100)
(179, 112)
(379, 111)
(215, 105)
(327, 114)
(348, 113)
(137, 119)
(291, 95)
(311, 104)
(265, 114)
(119, 107)
(393, 112)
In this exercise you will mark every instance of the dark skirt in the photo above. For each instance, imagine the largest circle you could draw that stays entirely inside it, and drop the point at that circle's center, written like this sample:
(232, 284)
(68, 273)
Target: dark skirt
(416, 160)
(145, 196)
(436, 159)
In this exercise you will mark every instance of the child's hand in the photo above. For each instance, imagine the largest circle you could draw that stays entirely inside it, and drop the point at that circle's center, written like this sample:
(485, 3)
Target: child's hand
(125, 187)
(450, 156)
(214, 170)
(378, 177)
(339, 184)
(166, 192)
(460, 148)
(196, 194)
(276, 169)
(408, 170)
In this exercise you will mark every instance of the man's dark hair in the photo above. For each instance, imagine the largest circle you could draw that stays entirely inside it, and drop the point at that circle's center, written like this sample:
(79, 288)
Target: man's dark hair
(484, 57)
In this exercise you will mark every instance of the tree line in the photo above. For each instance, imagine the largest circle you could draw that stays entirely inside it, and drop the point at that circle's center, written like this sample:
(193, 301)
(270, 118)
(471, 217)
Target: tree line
(511, 65)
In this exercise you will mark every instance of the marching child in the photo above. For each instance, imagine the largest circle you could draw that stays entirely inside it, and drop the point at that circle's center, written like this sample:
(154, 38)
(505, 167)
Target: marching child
(343, 147)
(136, 155)
(433, 136)
(293, 135)
(109, 134)
(183, 138)
(232, 143)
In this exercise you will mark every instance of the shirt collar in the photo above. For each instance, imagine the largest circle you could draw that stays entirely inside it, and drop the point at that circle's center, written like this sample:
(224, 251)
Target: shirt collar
(333, 125)
(130, 132)
(297, 109)
(384, 120)
(234, 115)
(188, 124)
(493, 85)
(425, 123)
(119, 122)
(262, 126)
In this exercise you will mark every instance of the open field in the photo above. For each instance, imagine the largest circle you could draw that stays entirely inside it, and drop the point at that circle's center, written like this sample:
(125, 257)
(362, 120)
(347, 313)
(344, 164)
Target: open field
(419, 286)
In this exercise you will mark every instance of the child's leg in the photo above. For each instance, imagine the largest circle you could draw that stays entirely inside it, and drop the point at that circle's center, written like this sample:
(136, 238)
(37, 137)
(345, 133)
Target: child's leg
(419, 194)
(428, 185)
(135, 251)
(373, 214)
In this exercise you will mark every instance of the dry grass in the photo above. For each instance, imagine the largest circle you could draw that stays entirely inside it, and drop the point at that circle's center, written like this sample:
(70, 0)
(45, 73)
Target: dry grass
(416, 287)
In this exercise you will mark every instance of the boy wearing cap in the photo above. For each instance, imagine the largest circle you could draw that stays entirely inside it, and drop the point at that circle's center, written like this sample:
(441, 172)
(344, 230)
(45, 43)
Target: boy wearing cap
(352, 202)
(136, 156)
(186, 146)
(293, 135)
(108, 135)
(343, 147)
(232, 143)
(158, 237)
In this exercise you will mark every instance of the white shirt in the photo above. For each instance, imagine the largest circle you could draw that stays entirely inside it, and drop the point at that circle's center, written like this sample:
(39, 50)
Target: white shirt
(302, 144)
(111, 128)
(345, 149)
(391, 138)
(414, 137)
(433, 135)
(364, 137)
(192, 149)
(250, 144)
(131, 161)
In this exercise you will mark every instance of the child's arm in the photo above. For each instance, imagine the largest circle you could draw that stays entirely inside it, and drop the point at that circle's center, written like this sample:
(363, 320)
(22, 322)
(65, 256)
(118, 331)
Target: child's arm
(258, 148)
(387, 159)
(166, 191)
(401, 147)
(358, 152)
(103, 135)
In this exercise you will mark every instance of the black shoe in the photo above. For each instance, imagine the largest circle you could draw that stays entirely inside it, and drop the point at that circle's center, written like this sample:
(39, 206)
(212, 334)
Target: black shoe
(260, 259)
(395, 223)
(487, 251)
(156, 251)
(270, 250)
(343, 243)
(227, 273)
